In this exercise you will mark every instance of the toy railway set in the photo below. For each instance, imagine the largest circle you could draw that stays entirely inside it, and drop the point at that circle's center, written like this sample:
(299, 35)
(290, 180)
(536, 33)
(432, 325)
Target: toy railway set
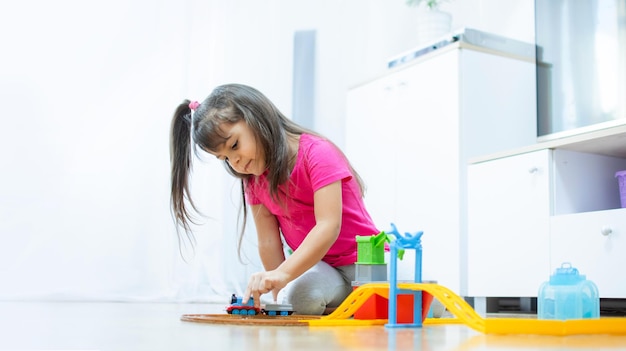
(357, 309)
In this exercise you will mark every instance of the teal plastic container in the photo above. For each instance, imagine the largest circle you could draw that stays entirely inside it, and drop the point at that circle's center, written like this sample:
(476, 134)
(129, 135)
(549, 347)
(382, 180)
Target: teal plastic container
(568, 295)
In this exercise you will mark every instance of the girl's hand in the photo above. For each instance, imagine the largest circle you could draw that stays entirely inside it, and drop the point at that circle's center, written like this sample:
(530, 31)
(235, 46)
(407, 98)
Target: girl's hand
(263, 282)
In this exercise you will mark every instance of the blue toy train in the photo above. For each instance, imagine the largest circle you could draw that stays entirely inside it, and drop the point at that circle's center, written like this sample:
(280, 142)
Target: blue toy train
(237, 307)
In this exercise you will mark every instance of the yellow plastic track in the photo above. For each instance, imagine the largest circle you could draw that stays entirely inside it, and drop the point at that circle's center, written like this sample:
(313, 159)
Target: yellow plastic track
(466, 314)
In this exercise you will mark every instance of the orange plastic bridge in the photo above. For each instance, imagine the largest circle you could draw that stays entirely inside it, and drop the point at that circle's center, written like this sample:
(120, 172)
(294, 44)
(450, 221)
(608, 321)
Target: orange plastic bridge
(465, 314)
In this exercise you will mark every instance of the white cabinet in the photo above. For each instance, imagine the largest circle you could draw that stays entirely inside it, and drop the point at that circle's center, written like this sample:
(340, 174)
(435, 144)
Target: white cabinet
(531, 211)
(411, 132)
(508, 225)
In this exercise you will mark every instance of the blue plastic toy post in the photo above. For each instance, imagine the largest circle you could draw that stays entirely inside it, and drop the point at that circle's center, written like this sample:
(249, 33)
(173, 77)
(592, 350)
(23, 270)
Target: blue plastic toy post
(407, 241)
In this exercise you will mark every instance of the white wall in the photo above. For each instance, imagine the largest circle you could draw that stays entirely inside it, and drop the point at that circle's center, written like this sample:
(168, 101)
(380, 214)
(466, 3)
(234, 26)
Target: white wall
(88, 89)
(87, 92)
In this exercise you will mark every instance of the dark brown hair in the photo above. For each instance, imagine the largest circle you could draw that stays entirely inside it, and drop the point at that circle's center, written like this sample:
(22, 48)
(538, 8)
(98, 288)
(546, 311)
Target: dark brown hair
(230, 104)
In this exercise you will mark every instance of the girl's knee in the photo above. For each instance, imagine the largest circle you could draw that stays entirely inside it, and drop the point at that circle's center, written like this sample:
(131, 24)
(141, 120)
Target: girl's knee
(316, 290)
(307, 301)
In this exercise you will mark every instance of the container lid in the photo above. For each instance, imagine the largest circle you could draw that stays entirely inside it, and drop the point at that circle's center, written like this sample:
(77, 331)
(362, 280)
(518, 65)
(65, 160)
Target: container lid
(620, 173)
(566, 275)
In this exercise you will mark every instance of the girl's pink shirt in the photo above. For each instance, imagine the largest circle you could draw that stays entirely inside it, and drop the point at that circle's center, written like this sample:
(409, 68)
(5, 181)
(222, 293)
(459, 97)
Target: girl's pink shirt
(319, 163)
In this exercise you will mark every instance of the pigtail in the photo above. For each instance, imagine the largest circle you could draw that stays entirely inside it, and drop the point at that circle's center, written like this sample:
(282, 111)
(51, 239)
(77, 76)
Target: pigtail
(180, 161)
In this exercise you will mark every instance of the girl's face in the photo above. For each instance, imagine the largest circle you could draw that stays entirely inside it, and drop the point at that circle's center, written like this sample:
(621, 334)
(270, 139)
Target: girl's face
(241, 149)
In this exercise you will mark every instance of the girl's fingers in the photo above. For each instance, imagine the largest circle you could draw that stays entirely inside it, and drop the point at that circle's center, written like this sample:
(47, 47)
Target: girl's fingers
(257, 286)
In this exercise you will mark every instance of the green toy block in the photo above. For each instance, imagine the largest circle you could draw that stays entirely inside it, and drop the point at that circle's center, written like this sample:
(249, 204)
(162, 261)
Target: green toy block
(371, 248)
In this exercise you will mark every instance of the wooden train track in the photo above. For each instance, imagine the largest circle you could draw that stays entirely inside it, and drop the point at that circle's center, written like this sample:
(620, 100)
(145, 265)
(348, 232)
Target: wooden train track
(293, 320)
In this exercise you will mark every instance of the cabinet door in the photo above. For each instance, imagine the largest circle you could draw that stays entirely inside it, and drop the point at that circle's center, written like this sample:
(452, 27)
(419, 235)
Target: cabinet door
(368, 134)
(508, 225)
(594, 243)
(425, 149)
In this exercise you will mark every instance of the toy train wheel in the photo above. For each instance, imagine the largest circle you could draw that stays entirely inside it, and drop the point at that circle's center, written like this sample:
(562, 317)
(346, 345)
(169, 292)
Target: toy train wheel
(243, 312)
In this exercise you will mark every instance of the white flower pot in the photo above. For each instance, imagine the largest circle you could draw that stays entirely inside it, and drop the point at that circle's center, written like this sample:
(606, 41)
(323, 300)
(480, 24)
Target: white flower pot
(432, 24)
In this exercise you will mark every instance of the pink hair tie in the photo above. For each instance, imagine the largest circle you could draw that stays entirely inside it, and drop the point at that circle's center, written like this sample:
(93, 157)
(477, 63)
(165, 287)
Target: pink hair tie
(194, 105)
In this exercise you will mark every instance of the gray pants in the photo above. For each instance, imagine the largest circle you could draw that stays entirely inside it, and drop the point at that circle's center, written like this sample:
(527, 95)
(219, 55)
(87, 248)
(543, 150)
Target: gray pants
(320, 288)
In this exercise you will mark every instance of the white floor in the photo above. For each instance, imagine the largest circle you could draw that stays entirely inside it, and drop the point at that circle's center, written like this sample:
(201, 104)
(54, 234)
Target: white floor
(154, 326)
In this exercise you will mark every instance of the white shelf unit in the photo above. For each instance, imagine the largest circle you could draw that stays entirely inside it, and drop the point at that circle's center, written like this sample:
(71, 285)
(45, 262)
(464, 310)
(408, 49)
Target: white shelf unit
(534, 208)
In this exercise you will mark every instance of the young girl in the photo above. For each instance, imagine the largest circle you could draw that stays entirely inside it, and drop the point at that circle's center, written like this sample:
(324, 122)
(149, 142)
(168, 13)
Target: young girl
(296, 183)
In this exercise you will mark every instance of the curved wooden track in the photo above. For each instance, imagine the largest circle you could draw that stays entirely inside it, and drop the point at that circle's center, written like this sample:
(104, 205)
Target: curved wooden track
(232, 319)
